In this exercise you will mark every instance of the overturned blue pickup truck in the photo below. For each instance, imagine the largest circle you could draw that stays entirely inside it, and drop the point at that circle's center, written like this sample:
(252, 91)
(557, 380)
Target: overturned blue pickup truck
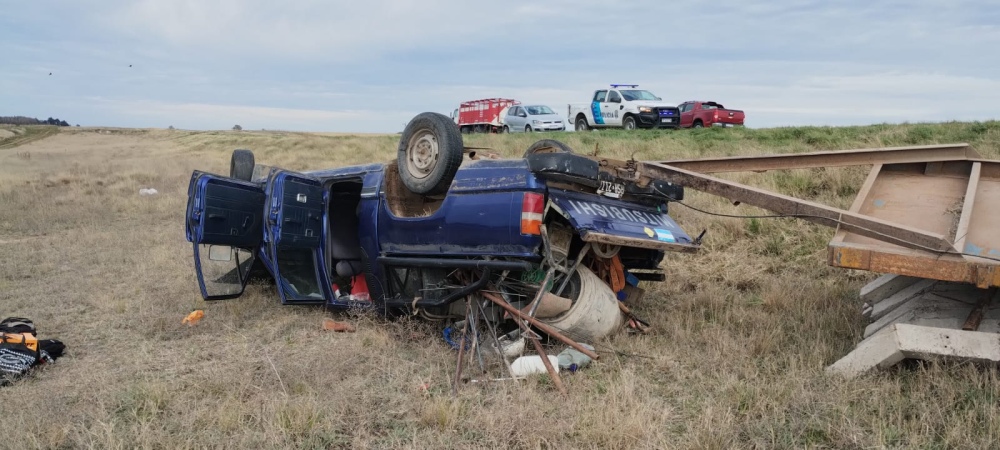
(437, 225)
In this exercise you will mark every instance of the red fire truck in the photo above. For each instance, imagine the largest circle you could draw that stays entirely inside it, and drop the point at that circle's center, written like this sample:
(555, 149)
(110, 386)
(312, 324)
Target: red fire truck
(482, 116)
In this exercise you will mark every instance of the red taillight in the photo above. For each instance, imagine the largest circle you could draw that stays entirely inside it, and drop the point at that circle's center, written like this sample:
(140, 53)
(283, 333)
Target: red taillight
(531, 213)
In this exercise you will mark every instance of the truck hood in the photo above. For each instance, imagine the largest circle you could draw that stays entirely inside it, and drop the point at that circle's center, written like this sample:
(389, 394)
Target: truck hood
(652, 104)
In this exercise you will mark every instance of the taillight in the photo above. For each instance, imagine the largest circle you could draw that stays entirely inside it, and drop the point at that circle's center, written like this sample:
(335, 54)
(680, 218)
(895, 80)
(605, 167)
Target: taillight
(531, 213)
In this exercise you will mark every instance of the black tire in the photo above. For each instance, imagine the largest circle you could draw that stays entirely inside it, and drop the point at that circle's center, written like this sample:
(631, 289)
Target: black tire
(581, 124)
(698, 124)
(430, 152)
(628, 123)
(506, 129)
(547, 146)
(241, 165)
(527, 128)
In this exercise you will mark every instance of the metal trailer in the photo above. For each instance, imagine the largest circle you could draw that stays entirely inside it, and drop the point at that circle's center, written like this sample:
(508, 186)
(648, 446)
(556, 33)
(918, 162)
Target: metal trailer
(925, 216)
(483, 116)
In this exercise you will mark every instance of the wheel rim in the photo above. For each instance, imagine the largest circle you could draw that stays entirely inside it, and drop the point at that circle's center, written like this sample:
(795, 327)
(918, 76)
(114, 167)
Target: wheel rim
(580, 125)
(629, 124)
(527, 129)
(505, 129)
(422, 154)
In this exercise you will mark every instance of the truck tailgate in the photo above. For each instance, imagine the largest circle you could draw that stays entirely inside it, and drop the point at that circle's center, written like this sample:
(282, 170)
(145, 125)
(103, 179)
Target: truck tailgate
(731, 116)
(611, 221)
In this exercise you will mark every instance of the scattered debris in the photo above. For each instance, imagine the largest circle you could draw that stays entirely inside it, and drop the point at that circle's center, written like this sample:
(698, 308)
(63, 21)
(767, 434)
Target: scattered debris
(532, 365)
(148, 191)
(572, 360)
(340, 327)
(193, 317)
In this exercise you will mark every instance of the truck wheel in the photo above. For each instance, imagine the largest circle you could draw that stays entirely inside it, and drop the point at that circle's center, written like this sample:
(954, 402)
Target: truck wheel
(547, 146)
(628, 123)
(430, 152)
(241, 165)
(698, 124)
(581, 124)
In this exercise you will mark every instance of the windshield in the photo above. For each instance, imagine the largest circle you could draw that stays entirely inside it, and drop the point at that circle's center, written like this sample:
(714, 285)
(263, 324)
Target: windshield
(538, 110)
(636, 94)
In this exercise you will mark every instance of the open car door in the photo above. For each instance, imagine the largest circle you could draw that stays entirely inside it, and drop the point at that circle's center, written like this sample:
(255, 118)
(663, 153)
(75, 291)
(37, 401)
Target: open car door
(225, 225)
(296, 233)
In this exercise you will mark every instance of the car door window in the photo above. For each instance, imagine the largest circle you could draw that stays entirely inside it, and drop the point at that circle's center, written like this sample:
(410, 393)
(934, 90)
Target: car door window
(600, 96)
(613, 96)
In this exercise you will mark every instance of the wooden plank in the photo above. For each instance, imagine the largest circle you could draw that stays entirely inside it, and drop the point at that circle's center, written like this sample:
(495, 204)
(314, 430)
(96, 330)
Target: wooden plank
(922, 153)
(810, 211)
(962, 232)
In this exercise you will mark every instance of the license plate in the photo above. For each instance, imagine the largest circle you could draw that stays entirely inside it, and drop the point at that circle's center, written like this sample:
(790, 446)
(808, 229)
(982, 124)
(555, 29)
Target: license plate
(609, 189)
(666, 120)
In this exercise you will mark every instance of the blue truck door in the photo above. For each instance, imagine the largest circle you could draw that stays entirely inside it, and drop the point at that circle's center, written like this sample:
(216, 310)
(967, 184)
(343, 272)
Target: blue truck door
(296, 235)
(224, 224)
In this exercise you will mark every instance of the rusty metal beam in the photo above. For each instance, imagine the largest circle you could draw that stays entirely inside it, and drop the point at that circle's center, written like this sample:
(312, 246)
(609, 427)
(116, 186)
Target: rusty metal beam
(890, 155)
(924, 265)
(965, 219)
(810, 211)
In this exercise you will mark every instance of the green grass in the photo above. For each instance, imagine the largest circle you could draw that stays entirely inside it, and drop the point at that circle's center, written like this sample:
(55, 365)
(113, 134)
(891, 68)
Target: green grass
(20, 135)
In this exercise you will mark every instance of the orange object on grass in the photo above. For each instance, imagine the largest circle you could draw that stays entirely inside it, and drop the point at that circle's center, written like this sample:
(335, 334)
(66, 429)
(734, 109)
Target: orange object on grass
(193, 317)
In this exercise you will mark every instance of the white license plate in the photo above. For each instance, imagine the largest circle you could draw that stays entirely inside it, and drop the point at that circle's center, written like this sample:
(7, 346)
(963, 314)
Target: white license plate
(609, 189)
(666, 119)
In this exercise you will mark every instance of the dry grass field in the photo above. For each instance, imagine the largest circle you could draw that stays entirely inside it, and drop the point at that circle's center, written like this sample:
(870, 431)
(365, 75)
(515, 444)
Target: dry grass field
(742, 331)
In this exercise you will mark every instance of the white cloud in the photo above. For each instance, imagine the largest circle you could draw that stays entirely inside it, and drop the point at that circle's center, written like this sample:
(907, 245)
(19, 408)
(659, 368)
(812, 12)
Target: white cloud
(368, 66)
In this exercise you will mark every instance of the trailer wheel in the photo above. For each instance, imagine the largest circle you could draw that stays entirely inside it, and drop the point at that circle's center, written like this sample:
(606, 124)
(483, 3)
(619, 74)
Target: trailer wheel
(430, 152)
(628, 123)
(547, 146)
(581, 123)
(241, 165)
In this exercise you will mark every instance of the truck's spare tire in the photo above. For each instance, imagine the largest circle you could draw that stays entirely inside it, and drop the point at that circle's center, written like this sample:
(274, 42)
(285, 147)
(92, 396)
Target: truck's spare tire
(430, 152)
(547, 146)
(241, 165)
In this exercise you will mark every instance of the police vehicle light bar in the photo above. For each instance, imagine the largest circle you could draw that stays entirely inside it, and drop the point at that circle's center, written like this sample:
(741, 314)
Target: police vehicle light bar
(616, 86)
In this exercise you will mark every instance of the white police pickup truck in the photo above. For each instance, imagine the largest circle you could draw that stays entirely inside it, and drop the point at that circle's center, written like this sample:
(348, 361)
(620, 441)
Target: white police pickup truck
(623, 106)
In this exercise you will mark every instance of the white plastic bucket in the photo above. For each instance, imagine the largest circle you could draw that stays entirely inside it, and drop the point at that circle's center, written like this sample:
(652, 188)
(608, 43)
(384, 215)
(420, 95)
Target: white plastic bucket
(531, 365)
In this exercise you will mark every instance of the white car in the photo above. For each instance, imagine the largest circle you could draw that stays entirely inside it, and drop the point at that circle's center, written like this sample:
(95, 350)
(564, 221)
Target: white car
(623, 106)
(528, 118)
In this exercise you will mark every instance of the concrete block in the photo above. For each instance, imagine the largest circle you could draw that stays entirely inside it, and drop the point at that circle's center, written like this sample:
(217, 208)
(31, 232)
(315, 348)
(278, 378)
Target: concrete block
(901, 341)
(886, 305)
(885, 286)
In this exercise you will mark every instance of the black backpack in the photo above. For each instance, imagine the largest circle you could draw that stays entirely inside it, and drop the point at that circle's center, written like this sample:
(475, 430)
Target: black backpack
(20, 350)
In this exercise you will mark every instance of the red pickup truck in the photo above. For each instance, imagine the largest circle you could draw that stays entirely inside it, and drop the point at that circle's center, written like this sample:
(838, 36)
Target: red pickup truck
(699, 114)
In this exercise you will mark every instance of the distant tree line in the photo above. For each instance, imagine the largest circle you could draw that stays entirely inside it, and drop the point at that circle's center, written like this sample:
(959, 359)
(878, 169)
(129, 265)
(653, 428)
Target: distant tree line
(21, 120)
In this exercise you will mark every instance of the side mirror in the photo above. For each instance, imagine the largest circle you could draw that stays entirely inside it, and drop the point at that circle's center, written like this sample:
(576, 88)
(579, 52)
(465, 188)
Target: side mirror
(522, 115)
(220, 253)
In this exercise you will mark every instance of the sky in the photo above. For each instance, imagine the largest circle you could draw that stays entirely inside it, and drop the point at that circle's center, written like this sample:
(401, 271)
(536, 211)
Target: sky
(369, 66)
